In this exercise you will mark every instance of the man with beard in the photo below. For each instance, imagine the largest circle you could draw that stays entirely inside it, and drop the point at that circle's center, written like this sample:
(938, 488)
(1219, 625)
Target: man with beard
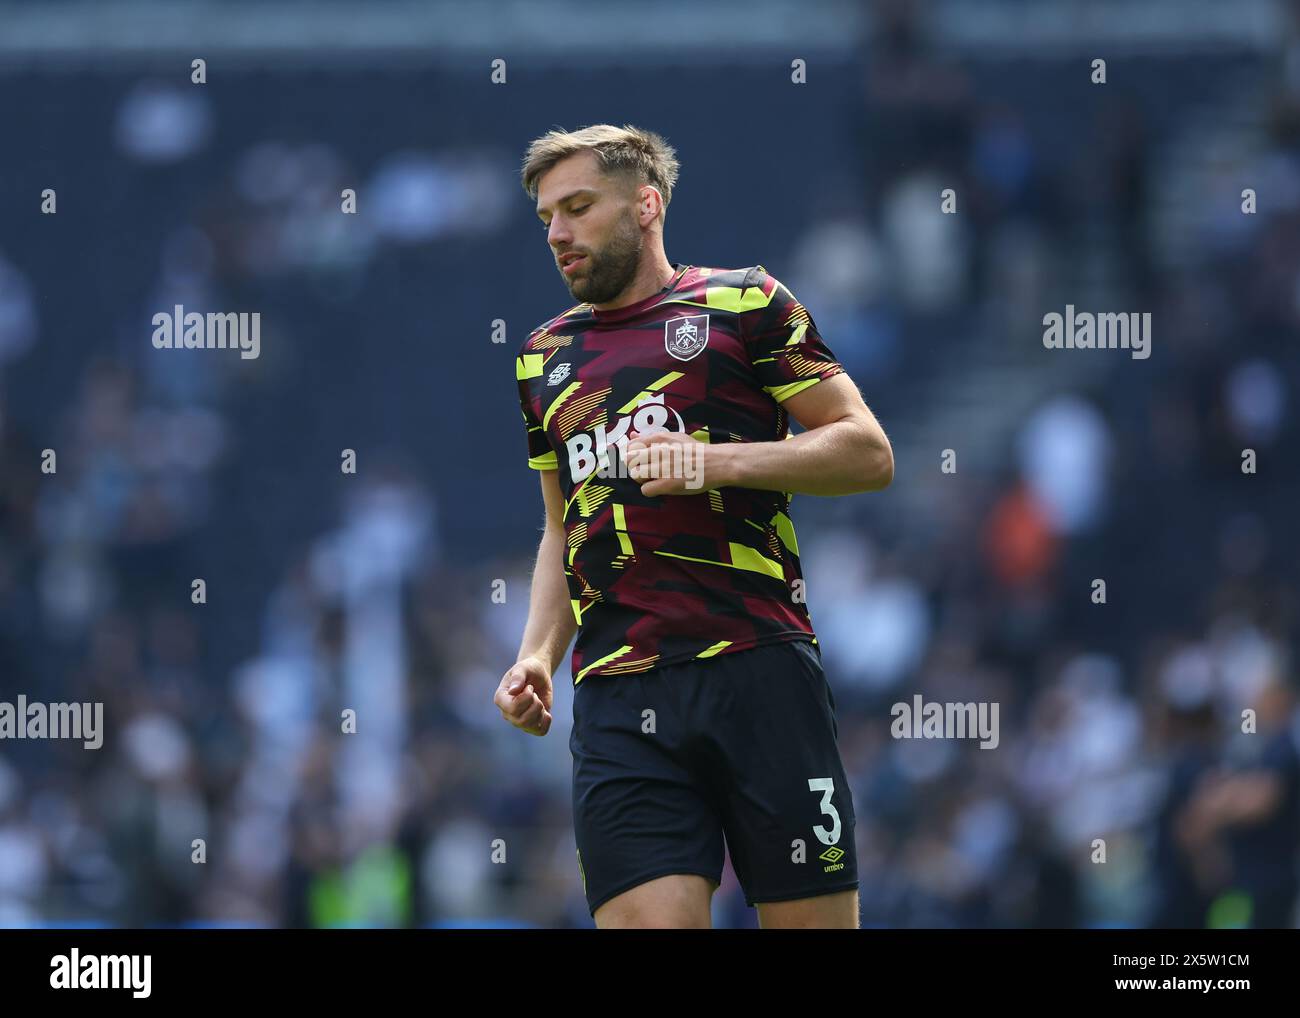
(701, 711)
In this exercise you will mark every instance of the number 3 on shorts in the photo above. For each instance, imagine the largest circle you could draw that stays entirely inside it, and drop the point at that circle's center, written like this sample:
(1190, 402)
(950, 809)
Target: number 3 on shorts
(827, 787)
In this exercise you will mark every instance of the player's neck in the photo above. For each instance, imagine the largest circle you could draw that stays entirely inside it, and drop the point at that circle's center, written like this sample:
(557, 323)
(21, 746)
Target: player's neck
(650, 279)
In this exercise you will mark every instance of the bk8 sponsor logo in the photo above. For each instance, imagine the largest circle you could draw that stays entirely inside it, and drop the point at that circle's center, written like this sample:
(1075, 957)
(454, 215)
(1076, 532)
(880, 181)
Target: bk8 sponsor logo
(589, 451)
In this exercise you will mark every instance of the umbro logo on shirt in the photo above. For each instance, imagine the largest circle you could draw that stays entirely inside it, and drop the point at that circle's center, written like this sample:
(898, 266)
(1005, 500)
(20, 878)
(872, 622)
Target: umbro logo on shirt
(558, 375)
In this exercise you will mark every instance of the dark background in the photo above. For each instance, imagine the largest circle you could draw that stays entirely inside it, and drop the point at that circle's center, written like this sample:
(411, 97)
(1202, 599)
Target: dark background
(329, 591)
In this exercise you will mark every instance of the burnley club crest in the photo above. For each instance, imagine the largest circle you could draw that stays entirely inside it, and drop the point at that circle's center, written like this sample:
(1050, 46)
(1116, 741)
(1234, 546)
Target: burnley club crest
(685, 337)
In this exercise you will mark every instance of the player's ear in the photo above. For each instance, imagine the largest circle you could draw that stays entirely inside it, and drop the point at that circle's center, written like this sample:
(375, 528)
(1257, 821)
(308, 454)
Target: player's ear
(647, 199)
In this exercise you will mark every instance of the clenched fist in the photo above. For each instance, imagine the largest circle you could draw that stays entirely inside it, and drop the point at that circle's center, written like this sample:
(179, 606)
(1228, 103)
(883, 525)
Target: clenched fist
(525, 696)
(670, 463)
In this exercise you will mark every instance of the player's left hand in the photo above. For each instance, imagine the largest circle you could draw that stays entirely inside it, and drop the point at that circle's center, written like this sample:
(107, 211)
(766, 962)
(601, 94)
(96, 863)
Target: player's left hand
(670, 463)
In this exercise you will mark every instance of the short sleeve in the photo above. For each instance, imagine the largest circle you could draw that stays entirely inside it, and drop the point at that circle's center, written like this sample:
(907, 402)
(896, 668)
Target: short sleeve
(540, 454)
(788, 353)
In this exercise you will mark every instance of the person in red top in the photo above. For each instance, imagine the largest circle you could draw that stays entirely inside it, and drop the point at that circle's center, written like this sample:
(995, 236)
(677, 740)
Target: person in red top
(658, 579)
(657, 414)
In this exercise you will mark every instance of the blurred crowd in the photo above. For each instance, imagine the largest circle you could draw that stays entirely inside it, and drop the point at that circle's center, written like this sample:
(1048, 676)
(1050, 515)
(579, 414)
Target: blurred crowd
(315, 743)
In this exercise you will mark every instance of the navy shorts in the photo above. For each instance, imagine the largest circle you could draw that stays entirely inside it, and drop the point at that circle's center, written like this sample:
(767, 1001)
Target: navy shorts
(668, 762)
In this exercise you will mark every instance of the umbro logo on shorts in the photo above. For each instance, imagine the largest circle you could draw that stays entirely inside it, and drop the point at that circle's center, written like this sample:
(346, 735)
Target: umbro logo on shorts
(832, 855)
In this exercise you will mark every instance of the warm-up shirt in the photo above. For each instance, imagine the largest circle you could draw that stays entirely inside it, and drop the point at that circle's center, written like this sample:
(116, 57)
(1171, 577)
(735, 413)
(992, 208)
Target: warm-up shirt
(659, 580)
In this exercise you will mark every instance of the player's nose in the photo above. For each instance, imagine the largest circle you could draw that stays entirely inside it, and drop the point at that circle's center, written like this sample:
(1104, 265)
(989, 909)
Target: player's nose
(559, 236)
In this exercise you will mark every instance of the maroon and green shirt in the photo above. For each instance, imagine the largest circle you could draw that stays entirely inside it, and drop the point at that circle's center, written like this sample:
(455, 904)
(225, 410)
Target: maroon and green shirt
(659, 580)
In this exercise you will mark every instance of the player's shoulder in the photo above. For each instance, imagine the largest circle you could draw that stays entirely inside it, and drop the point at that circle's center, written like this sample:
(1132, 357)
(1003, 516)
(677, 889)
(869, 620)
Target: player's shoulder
(707, 275)
(740, 290)
(554, 332)
(758, 278)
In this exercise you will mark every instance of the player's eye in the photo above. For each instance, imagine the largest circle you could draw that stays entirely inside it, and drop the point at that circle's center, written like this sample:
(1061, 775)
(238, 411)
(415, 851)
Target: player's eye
(578, 211)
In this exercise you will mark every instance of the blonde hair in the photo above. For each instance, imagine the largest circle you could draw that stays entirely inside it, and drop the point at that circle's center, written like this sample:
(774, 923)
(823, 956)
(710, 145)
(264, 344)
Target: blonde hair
(639, 155)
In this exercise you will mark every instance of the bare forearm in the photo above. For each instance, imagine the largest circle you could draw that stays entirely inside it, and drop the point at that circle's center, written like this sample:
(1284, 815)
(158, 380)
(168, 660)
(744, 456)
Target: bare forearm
(551, 624)
(840, 458)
